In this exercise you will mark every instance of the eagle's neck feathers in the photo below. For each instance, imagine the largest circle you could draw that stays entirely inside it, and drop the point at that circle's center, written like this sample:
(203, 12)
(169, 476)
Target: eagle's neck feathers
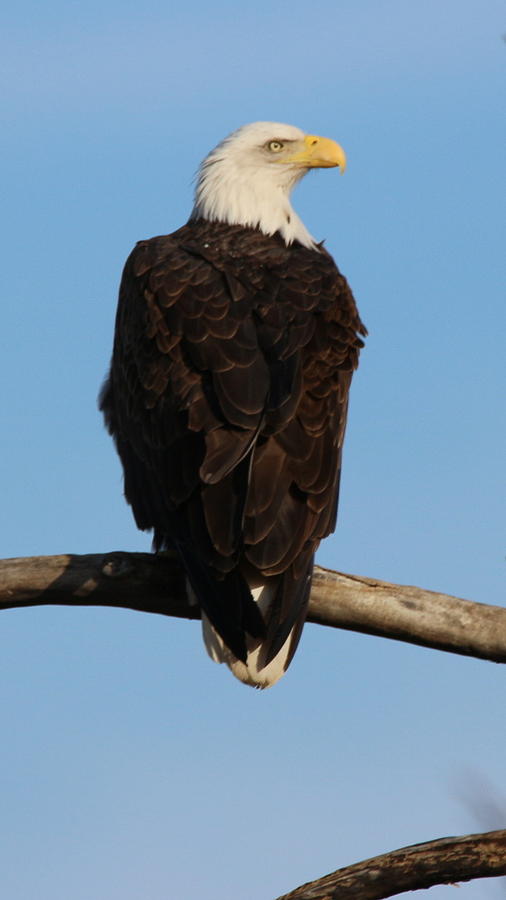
(238, 192)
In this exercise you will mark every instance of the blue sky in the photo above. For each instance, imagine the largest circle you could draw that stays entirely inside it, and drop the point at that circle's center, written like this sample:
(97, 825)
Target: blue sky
(131, 765)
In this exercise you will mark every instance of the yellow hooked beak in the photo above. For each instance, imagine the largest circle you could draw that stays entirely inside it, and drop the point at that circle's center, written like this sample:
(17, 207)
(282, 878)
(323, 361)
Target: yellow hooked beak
(318, 153)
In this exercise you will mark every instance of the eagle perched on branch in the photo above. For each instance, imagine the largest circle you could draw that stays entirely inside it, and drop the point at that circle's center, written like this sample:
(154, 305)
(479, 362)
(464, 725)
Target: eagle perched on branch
(236, 340)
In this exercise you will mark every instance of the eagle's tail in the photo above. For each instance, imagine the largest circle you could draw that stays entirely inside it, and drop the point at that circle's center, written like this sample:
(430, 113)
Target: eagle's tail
(268, 657)
(254, 671)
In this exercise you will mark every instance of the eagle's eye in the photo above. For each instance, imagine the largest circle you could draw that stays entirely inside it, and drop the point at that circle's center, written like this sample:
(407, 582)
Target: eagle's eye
(275, 146)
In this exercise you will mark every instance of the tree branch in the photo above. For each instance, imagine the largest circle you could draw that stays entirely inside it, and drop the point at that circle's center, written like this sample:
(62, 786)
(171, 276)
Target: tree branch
(445, 861)
(156, 584)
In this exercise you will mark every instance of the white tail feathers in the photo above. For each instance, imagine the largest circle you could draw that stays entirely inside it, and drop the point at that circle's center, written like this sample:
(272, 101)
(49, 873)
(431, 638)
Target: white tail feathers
(254, 671)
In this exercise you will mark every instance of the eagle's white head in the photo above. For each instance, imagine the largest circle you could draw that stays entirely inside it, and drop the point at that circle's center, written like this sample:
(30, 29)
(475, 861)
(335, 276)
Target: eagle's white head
(247, 179)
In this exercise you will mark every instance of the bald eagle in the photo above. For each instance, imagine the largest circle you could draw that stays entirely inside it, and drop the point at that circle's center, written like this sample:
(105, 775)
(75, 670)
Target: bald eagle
(236, 340)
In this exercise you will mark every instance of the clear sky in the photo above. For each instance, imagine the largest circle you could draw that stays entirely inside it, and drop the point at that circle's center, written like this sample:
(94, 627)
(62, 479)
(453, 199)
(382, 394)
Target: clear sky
(131, 766)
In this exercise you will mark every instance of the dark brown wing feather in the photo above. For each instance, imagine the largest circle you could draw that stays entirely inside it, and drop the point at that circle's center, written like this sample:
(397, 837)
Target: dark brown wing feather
(227, 399)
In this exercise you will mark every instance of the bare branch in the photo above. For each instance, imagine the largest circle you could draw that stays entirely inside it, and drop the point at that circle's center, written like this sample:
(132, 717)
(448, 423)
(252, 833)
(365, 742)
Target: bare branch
(405, 613)
(156, 584)
(140, 581)
(445, 861)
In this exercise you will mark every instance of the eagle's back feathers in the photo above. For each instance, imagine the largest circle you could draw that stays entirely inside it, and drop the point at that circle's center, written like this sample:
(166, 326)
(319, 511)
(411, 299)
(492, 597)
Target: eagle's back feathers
(227, 399)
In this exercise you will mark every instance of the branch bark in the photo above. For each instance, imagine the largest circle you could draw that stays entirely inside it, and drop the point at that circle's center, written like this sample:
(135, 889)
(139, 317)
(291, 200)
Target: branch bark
(156, 584)
(445, 861)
